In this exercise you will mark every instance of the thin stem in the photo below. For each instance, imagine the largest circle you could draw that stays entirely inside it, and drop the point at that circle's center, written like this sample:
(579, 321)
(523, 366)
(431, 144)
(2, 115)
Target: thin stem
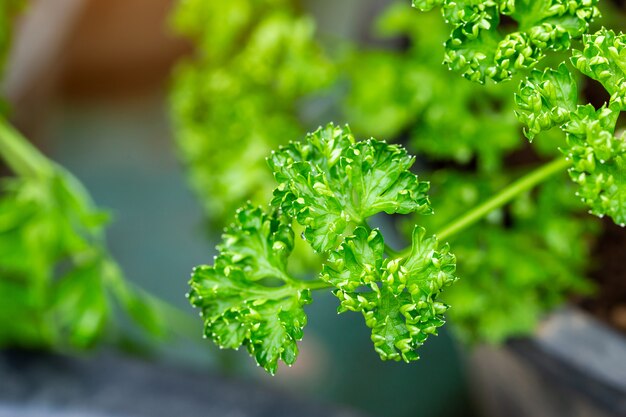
(525, 183)
(20, 155)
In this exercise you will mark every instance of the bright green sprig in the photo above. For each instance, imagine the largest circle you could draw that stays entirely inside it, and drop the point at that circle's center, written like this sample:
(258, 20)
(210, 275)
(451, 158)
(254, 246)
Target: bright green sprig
(480, 48)
(330, 184)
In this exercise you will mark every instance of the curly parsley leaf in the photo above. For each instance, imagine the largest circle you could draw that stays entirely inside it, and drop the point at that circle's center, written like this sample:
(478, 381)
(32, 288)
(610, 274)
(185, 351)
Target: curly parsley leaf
(331, 183)
(546, 99)
(598, 160)
(604, 59)
(247, 298)
(397, 296)
(481, 47)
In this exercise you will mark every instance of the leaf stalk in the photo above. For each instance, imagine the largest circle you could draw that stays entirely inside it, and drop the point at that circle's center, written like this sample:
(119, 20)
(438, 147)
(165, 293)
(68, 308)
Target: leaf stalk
(527, 182)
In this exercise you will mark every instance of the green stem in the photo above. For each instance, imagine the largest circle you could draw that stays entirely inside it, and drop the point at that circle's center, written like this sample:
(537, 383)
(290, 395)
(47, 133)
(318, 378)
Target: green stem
(20, 155)
(524, 184)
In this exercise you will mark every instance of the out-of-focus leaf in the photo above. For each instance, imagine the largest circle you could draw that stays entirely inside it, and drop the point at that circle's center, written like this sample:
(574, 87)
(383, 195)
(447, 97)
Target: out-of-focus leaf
(54, 268)
(237, 99)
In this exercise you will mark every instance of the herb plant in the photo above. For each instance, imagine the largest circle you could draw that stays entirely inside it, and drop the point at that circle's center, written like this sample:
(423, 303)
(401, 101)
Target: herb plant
(521, 243)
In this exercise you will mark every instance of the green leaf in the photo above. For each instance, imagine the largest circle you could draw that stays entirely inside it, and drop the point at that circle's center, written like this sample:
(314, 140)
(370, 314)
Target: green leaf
(80, 305)
(546, 99)
(479, 47)
(247, 297)
(604, 59)
(258, 244)
(398, 297)
(598, 160)
(331, 183)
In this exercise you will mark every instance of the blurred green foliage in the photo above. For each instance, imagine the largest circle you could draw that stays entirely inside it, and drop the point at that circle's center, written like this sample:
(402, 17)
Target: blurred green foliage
(237, 98)
(57, 280)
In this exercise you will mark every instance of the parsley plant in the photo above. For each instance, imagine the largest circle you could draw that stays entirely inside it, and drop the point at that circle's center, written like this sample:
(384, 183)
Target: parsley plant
(331, 184)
